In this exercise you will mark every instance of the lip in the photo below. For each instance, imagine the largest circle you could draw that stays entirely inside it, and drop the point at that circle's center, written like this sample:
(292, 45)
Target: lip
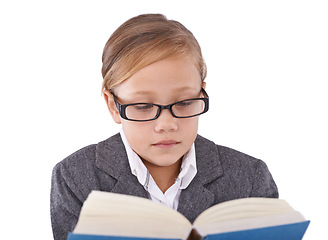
(166, 144)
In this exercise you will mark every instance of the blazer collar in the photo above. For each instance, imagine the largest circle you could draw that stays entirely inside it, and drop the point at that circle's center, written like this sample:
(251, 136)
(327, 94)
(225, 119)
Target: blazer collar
(111, 157)
(197, 198)
(209, 165)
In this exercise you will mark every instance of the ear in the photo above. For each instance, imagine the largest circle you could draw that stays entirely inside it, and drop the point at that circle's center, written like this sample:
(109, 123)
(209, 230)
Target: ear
(204, 85)
(109, 99)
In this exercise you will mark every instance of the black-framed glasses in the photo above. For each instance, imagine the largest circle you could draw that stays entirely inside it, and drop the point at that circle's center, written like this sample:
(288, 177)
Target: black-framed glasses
(142, 112)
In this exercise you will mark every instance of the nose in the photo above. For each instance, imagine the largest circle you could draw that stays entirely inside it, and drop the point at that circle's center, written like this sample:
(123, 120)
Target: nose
(166, 122)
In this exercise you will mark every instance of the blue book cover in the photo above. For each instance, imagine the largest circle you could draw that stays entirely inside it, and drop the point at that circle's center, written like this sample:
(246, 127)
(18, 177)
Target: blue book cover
(294, 231)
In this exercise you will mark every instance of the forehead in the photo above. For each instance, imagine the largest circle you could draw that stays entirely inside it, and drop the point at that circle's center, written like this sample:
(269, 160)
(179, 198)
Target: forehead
(167, 76)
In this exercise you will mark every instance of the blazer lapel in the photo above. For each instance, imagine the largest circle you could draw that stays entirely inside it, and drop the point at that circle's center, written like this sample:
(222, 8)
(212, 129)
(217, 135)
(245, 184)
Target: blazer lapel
(196, 197)
(194, 200)
(111, 157)
(128, 184)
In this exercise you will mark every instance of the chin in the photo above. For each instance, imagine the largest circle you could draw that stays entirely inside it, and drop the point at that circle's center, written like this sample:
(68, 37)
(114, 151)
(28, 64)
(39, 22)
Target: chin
(162, 161)
(166, 162)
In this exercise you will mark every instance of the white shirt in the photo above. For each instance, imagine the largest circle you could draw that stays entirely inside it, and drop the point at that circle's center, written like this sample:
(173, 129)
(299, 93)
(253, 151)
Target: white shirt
(172, 195)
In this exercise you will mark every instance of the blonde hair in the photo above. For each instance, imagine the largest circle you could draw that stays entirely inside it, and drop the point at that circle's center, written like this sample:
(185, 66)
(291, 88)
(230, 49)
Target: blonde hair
(143, 40)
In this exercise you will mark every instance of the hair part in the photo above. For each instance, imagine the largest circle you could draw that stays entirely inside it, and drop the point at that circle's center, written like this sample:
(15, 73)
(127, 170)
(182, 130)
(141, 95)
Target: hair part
(143, 40)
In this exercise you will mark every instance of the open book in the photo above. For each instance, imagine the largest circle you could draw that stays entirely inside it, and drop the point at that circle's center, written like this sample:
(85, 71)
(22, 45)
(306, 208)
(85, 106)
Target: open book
(106, 216)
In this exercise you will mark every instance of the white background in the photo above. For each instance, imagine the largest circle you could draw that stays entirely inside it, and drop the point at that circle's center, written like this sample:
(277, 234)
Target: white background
(267, 73)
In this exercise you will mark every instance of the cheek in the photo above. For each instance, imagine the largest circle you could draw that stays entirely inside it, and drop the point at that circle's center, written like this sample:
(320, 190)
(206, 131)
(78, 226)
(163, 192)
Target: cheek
(136, 133)
(189, 124)
(189, 129)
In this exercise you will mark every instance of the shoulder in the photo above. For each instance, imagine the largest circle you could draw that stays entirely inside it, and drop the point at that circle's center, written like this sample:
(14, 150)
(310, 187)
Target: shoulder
(227, 160)
(85, 157)
(225, 154)
(70, 174)
(240, 172)
(235, 157)
(81, 170)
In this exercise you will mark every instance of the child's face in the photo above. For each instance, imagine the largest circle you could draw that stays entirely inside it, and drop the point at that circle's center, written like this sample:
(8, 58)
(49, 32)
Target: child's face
(163, 141)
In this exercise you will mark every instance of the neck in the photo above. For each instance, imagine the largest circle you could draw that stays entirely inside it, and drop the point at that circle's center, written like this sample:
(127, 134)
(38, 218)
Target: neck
(164, 176)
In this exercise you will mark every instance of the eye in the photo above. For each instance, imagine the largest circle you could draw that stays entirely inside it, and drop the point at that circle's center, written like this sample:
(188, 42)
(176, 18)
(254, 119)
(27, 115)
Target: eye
(185, 103)
(143, 107)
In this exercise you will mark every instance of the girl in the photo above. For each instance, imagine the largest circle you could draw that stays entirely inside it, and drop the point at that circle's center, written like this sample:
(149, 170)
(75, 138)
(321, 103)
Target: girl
(154, 87)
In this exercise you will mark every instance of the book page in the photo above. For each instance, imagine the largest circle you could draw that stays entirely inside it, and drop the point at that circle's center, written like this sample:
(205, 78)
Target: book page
(248, 213)
(121, 215)
(243, 208)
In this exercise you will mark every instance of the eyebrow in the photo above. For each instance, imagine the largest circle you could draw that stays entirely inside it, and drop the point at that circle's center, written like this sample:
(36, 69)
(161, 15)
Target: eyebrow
(186, 88)
(142, 92)
(181, 89)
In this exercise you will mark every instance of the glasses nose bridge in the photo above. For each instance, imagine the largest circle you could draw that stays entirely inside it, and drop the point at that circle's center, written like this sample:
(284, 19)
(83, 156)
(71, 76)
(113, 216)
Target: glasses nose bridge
(163, 107)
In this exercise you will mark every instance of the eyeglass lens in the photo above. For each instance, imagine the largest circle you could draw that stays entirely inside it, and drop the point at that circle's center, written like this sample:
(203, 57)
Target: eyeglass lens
(147, 111)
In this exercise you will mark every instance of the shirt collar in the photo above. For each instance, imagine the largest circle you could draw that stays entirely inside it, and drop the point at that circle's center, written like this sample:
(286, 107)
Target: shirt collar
(187, 172)
(188, 167)
(138, 168)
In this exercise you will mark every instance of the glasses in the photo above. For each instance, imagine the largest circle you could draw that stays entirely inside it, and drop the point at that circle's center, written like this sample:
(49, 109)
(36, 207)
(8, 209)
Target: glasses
(142, 112)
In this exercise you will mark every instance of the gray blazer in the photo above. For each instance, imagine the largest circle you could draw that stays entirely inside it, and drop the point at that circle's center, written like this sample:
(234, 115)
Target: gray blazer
(222, 174)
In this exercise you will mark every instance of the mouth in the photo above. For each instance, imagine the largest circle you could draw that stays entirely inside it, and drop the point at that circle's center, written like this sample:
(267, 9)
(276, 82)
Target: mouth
(166, 144)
